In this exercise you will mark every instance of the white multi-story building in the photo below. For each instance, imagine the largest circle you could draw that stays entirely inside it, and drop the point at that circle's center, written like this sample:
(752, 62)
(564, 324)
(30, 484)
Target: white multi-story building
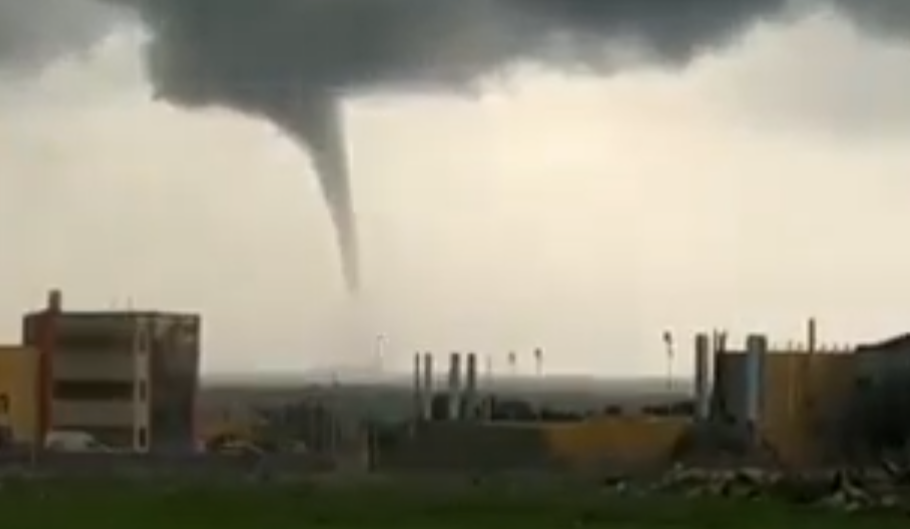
(127, 378)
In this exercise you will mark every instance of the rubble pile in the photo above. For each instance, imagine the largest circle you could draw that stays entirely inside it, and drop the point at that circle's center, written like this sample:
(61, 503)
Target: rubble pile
(850, 490)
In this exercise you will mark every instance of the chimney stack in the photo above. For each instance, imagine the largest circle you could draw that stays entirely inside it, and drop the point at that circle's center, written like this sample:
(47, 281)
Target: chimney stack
(428, 386)
(455, 387)
(702, 377)
(470, 386)
(756, 349)
(811, 336)
(54, 301)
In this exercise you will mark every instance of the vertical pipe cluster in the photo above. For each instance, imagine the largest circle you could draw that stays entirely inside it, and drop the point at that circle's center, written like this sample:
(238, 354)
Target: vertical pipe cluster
(756, 350)
(462, 396)
(454, 387)
(702, 377)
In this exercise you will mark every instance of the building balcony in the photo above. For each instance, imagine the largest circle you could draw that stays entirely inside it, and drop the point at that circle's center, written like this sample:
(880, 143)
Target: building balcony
(92, 414)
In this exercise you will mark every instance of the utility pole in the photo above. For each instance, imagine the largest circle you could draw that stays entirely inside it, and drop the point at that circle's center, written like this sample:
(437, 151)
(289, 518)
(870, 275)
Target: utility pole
(538, 361)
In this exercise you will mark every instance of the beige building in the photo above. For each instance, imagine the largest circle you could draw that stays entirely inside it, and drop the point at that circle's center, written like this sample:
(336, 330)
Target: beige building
(100, 378)
(127, 378)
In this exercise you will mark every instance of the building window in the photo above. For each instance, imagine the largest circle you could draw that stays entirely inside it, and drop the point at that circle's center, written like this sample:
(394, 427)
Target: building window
(94, 340)
(71, 390)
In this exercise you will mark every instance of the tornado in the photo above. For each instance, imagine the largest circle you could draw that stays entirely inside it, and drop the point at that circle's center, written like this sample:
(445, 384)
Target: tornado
(313, 118)
(293, 62)
(316, 123)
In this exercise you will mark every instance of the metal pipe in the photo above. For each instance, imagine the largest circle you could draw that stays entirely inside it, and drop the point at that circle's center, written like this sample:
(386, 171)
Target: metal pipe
(806, 381)
(811, 336)
(470, 386)
(454, 387)
(720, 405)
(756, 350)
(428, 386)
(702, 377)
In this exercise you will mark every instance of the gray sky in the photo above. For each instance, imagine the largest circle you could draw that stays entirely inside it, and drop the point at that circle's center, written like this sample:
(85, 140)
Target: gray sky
(758, 187)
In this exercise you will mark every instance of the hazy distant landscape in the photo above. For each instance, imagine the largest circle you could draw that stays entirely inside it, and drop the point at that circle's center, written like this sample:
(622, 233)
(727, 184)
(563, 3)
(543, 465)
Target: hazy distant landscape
(392, 395)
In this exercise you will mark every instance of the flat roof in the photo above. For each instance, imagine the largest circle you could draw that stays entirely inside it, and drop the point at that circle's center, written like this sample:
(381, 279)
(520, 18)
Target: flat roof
(121, 314)
(891, 344)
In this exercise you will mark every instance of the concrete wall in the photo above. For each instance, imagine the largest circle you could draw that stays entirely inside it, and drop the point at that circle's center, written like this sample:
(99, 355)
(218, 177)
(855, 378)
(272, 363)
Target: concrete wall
(806, 397)
(18, 379)
(619, 443)
(884, 359)
(174, 374)
(730, 384)
(464, 446)
(803, 398)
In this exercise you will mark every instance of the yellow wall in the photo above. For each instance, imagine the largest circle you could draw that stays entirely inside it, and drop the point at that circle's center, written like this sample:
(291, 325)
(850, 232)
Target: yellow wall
(636, 440)
(803, 395)
(18, 376)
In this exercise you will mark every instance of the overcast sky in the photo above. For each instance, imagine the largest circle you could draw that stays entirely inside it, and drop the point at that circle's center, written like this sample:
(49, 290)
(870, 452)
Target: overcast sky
(762, 185)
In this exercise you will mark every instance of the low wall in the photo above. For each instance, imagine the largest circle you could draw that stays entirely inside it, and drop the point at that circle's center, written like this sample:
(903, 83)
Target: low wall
(614, 444)
(189, 466)
(464, 446)
(621, 444)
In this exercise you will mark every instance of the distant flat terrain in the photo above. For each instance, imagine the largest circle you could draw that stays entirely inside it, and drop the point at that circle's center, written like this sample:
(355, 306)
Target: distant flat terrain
(392, 396)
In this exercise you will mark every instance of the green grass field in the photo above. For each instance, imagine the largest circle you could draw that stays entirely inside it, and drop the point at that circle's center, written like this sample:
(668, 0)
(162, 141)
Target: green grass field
(275, 506)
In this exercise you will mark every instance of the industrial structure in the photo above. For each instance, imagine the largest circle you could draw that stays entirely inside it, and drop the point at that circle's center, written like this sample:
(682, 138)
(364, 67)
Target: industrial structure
(787, 405)
(129, 379)
(466, 426)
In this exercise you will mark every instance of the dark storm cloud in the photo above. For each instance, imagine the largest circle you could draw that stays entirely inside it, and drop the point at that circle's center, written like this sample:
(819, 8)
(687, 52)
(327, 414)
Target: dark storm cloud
(290, 61)
(884, 18)
(33, 32)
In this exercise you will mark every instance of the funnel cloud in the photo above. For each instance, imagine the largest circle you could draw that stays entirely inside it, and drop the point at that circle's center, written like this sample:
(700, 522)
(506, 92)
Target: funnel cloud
(293, 62)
